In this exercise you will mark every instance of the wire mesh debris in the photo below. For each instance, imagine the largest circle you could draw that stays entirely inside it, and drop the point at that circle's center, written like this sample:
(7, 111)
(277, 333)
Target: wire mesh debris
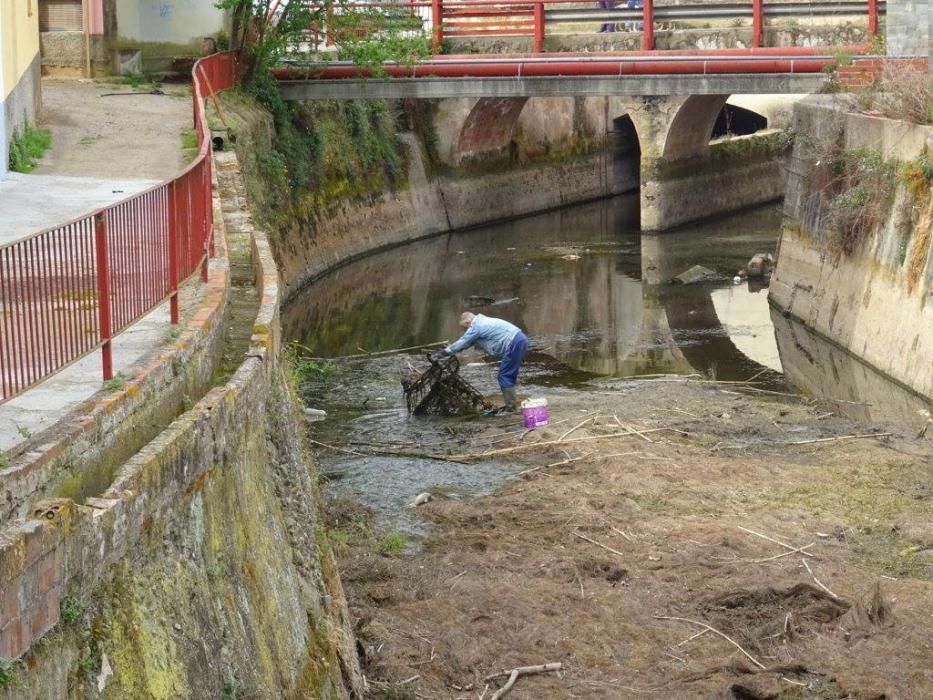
(441, 391)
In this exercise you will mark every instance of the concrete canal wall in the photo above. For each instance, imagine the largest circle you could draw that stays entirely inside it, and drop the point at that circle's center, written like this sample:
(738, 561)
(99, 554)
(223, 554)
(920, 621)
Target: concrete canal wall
(873, 299)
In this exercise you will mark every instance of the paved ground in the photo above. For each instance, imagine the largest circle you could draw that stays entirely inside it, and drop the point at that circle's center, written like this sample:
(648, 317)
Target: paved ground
(32, 203)
(103, 150)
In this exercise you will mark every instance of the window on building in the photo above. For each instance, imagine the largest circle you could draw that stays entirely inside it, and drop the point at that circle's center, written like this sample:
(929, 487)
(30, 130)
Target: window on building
(60, 16)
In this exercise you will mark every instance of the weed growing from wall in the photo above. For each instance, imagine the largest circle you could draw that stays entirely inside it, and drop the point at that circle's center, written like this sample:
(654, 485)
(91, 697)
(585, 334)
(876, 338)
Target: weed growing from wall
(856, 188)
(28, 145)
(324, 152)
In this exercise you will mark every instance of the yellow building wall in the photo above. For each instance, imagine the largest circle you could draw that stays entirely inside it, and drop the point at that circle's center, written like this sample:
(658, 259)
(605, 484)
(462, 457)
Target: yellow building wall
(19, 40)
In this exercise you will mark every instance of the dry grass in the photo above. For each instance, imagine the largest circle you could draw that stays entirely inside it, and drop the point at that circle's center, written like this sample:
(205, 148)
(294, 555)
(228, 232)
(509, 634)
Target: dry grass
(905, 92)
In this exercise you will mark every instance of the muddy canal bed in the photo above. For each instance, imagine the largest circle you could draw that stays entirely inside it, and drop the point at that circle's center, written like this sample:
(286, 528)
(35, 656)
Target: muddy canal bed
(793, 519)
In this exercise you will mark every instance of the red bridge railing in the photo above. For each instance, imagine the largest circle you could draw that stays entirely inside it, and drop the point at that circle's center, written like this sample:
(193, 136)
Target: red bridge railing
(68, 290)
(541, 18)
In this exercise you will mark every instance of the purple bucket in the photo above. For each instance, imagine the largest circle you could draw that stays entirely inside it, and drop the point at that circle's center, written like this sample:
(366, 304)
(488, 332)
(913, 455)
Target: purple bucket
(534, 413)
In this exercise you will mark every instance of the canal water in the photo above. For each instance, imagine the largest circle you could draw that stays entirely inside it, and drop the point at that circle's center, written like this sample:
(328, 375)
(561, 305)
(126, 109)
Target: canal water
(597, 299)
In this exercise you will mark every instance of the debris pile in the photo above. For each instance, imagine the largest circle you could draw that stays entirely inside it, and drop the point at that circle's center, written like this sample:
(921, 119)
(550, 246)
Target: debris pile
(441, 391)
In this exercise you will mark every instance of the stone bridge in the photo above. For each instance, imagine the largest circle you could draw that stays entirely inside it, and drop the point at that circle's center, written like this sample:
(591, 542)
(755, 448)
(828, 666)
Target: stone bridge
(654, 114)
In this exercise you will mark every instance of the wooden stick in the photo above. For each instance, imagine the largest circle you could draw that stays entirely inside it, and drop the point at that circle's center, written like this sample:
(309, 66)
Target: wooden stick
(615, 529)
(692, 637)
(371, 354)
(578, 425)
(548, 443)
(715, 631)
(526, 670)
(336, 449)
(816, 580)
(771, 539)
(841, 437)
(411, 680)
(785, 554)
(554, 464)
(598, 544)
(633, 429)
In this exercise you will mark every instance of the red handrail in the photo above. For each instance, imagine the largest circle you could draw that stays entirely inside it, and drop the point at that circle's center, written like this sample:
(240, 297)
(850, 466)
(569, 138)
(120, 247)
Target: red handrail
(477, 18)
(72, 288)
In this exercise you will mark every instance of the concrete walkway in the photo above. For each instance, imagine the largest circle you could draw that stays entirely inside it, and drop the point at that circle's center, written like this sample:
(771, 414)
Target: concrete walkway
(33, 203)
(104, 149)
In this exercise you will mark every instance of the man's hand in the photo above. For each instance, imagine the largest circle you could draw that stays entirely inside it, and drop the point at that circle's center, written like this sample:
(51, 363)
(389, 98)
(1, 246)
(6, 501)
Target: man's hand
(436, 357)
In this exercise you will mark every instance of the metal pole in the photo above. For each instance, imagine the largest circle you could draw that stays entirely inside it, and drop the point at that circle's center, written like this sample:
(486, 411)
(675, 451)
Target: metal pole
(103, 292)
(86, 17)
(173, 250)
(437, 11)
(539, 26)
(757, 22)
(647, 37)
(873, 17)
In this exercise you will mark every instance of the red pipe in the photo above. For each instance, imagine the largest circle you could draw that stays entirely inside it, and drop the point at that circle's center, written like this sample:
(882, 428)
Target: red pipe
(451, 69)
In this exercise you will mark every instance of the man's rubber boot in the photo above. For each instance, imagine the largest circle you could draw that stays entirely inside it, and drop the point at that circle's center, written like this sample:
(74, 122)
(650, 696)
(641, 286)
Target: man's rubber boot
(511, 401)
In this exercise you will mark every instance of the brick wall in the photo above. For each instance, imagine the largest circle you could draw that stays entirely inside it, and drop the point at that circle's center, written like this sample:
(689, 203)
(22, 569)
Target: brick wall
(59, 546)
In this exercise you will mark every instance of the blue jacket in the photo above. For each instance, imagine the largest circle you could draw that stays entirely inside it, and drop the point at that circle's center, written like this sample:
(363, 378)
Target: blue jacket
(492, 335)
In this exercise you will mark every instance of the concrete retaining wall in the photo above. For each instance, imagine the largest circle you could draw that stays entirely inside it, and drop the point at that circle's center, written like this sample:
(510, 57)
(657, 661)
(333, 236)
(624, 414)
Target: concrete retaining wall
(875, 302)
(737, 173)
(200, 572)
(908, 25)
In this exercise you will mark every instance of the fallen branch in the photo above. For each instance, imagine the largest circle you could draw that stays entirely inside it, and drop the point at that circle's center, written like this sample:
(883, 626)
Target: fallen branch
(336, 449)
(633, 429)
(578, 425)
(792, 549)
(598, 544)
(717, 632)
(841, 437)
(784, 554)
(554, 464)
(817, 581)
(364, 355)
(520, 671)
(548, 443)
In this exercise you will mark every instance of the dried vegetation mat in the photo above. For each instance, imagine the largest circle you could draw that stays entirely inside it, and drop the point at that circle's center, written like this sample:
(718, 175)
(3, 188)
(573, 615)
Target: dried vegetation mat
(749, 549)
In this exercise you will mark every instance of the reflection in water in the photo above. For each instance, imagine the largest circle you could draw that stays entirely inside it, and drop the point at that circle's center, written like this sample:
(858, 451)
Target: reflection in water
(609, 311)
(825, 371)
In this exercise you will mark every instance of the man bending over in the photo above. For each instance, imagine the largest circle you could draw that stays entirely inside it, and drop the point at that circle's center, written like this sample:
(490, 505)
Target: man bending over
(494, 337)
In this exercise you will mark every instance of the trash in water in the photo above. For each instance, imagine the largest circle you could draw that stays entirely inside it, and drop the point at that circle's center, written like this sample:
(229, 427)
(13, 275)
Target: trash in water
(570, 257)
(441, 391)
(760, 265)
(695, 274)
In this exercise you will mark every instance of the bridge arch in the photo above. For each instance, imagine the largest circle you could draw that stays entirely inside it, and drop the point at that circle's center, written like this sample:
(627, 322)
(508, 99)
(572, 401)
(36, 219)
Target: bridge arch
(493, 124)
(689, 131)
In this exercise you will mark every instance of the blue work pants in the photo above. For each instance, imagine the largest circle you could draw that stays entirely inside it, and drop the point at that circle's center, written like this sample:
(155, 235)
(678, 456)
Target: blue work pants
(512, 361)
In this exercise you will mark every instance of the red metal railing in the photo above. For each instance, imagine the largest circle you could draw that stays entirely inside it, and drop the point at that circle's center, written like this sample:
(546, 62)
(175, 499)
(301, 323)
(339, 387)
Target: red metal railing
(517, 18)
(68, 290)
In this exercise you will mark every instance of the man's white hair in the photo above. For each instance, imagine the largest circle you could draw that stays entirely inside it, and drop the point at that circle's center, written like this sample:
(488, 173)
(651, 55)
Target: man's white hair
(467, 317)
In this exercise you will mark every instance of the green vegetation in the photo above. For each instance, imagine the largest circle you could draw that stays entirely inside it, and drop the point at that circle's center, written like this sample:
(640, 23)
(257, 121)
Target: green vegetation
(117, 382)
(393, 544)
(4, 459)
(340, 537)
(323, 152)
(70, 609)
(27, 146)
(8, 668)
